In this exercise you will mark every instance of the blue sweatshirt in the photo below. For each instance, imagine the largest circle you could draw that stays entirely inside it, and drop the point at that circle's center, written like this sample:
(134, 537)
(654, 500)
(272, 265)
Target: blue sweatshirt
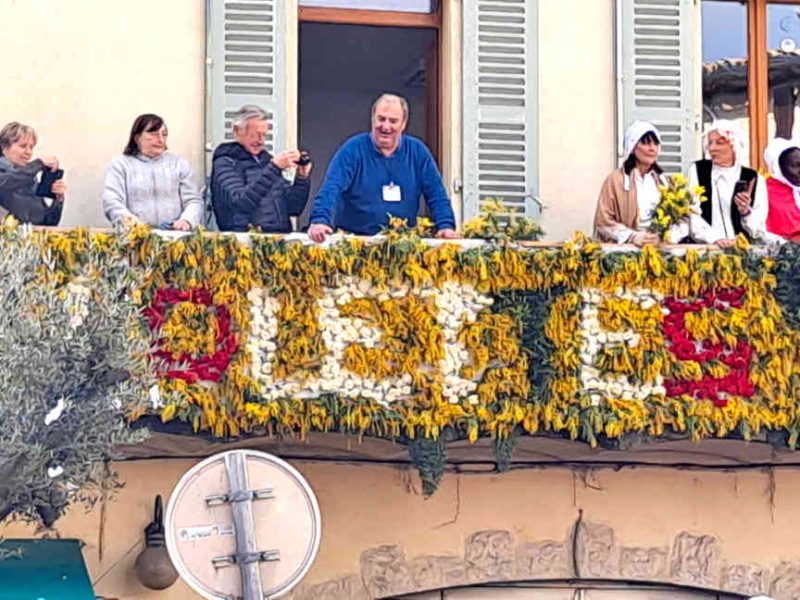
(352, 196)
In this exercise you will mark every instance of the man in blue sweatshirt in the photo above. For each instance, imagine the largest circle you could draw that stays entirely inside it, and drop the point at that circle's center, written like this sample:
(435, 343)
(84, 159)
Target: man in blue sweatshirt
(380, 174)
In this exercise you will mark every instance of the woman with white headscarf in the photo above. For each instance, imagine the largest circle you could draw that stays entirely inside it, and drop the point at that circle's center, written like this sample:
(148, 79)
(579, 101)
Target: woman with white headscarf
(783, 188)
(630, 194)
(737, 195)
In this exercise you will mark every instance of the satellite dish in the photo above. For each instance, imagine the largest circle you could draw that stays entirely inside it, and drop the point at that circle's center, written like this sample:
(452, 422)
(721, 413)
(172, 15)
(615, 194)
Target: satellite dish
(242, 524)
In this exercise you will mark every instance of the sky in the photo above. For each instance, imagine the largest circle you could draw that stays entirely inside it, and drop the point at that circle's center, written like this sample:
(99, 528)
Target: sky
(725, 28)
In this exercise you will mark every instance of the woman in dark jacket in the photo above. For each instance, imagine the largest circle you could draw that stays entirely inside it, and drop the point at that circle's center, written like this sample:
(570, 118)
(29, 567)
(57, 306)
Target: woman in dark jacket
(21, 193)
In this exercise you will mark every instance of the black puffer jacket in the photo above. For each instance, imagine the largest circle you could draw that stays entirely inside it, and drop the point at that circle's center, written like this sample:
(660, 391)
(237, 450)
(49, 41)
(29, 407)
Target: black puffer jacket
(18, 196)
(249, 190)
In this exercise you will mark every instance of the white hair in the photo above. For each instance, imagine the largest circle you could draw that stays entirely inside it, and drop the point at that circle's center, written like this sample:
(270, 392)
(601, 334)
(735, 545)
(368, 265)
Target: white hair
(391, 98)
(731, 131)
(247, 113)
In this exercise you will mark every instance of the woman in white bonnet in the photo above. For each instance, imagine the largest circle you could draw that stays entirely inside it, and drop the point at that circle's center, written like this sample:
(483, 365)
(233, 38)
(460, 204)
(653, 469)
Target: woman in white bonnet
(630, 193)
(730, 209)
(783, 188)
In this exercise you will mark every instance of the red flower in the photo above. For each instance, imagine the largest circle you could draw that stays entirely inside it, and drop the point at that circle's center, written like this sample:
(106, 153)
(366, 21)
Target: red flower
(208, 367)
(683, 345)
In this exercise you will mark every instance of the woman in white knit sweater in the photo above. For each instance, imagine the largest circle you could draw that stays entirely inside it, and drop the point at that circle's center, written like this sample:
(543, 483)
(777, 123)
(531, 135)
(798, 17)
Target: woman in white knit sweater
(149, 184)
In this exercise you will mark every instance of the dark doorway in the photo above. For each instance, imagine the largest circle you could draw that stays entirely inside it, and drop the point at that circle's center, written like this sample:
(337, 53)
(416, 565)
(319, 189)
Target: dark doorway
(344, 67)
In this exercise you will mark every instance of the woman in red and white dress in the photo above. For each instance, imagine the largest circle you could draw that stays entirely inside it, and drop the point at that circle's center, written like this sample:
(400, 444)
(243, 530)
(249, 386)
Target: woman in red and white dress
(783, 188)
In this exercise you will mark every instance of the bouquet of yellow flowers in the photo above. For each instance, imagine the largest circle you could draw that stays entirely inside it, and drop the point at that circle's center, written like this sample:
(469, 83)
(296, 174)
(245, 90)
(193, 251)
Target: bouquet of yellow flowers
(676, 204)
(495, 223)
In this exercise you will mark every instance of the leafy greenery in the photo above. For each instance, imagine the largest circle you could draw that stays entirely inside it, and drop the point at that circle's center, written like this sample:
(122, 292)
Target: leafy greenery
(787, 291)
(530, 311)
(68, 373)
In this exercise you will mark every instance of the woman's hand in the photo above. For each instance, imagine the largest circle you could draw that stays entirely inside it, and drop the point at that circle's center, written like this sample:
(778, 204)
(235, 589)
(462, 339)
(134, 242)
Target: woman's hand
(643, 238)
(59, 189)
(743, 200)
(51, 162)
(724, 243)
(182, 225)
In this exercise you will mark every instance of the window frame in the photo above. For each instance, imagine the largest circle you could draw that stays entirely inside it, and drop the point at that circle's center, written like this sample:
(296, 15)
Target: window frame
(758, 77)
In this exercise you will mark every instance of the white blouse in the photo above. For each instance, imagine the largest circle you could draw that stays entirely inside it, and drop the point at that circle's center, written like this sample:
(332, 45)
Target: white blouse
(723, 180)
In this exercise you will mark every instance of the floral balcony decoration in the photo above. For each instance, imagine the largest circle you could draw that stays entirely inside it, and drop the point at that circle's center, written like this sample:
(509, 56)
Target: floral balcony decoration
(676, 203)
(425, 343)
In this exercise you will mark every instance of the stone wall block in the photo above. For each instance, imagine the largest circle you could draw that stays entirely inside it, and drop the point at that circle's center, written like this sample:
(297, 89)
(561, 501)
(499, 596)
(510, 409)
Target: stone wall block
(434, 572)
(596, 550)
(748, 580)
(649, 564)
(489, 556)
(385, 571)
(349, 587)
(786, 581)
(545, 560)
(695, 560)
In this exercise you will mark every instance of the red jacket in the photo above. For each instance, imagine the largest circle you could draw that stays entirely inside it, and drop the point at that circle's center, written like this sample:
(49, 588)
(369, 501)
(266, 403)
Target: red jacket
(783, 218)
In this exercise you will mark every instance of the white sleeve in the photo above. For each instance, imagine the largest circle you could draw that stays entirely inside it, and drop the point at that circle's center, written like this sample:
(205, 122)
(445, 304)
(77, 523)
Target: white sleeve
(699, 229)
(115, 200)
(756, 221)
(190, 197)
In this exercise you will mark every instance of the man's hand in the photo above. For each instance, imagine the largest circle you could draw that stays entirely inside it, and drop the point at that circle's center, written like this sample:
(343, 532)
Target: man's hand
(447, 234)
(303, 171)
(643, 238)
(51, 162)
(286, 159)
(725, 243)
(59, 189)
(182, 225)
(319, 231)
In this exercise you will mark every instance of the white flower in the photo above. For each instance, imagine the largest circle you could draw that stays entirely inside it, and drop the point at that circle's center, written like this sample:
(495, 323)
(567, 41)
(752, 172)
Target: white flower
(55, 413)
(53, 472)
(154, 395)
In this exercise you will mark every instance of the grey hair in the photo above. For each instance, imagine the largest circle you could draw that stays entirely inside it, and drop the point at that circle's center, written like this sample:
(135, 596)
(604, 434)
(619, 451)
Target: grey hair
(247, 113)
(391, 98)
(14, 132)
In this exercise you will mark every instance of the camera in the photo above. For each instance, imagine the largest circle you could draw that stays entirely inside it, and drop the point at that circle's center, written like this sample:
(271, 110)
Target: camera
(304, 159)
(45, 187)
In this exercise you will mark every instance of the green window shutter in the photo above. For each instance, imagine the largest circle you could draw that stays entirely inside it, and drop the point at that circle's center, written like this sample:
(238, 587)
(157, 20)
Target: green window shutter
(500, 105)
(659, 74)
(244, 49)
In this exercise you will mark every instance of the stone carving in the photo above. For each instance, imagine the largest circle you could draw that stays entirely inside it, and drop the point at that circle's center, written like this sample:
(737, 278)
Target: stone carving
(434, 572)
(644, 563)
(786, 581)
(489, 556)
(596, 550)
(385, 571)
(695, 560)
(547, 560)
(350, 587)
(748, 580)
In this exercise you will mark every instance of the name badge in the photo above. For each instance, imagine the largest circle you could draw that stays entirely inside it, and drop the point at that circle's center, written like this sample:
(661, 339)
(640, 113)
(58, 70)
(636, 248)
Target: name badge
(391, 193)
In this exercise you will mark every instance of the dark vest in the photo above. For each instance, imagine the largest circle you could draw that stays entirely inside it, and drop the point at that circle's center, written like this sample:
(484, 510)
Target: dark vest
(704, 179)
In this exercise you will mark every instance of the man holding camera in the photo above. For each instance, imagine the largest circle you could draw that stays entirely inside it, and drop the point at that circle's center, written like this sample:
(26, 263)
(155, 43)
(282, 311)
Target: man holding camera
(381, 173)
(248, 188)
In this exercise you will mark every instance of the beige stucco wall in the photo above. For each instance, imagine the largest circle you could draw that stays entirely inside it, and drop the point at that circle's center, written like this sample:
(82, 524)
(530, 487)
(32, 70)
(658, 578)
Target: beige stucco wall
(751, 515)
(95, 65)
(577, 110)
(80, 71)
